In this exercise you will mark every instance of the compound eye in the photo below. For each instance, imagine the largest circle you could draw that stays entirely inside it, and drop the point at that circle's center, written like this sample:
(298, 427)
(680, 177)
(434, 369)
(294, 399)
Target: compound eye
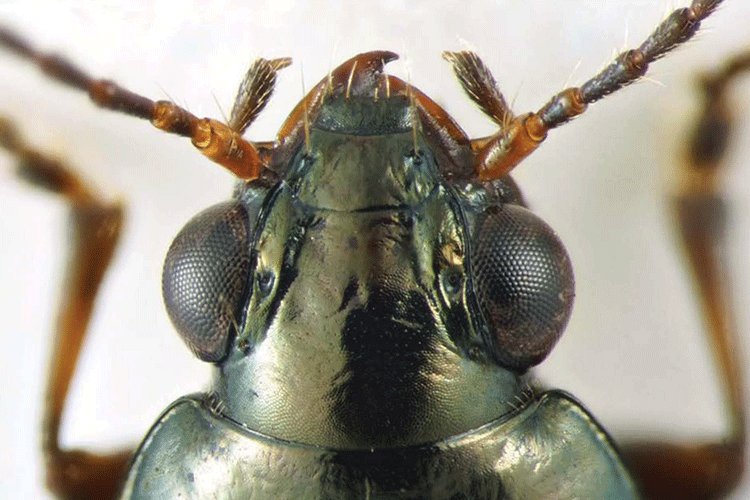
(205, 278)
(523, 282)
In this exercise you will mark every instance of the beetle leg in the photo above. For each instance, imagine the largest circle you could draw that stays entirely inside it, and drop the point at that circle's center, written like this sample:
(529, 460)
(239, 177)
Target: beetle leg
(503, 151)
(73, 474)
(219, 142)
(707, 470)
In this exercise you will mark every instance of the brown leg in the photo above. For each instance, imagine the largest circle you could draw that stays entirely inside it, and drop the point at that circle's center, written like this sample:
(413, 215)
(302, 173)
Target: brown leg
(73, 474)
(706, 470)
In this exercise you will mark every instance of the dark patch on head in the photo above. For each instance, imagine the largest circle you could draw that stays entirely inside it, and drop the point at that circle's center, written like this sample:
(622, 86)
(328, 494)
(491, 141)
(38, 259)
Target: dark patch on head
(378, 401)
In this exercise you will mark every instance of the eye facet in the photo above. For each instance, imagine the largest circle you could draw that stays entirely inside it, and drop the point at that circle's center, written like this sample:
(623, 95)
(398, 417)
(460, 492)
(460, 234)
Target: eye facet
(205, 279)
(523, 281)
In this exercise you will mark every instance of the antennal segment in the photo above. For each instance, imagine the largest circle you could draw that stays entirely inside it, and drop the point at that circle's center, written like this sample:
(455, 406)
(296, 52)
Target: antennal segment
(514, 142)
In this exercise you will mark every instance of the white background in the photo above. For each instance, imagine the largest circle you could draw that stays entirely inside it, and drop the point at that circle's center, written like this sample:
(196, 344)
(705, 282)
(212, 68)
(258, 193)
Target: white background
(633, 352)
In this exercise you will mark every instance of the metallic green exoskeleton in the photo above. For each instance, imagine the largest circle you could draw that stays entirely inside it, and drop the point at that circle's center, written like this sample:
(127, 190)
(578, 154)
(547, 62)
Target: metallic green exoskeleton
(372, 312)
